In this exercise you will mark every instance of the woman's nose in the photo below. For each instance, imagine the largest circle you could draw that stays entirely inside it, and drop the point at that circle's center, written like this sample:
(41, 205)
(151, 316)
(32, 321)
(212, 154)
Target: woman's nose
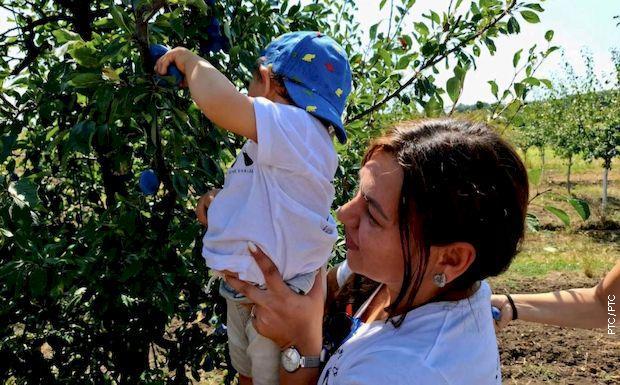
(346, 214)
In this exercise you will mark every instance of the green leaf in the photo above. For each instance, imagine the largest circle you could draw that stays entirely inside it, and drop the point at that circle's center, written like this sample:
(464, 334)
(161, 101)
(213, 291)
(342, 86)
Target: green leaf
(513, 107)
(519, 89)
(180, 184)
(581, 207)
(531, 81)
(547, 83)
(373, 31)
(561, 214)
(549, 35)
(535, 6)
(513, 25)
(453, 87)
(81, 136)
(37, 281)
(494, 87)
(24, 193)
(64, 35)
(490, 45)
(200, 4)
(110, 74)
(476, 50)
(530, 16)
(421, 28)
(516, 58)
(128, 301)
(433, 107)
(404, 61)
(6, 146)
(551, 50)
(6, 233)
(313, 7)
(85, 54)
(117, 16)
(83, 80)
(386, 56)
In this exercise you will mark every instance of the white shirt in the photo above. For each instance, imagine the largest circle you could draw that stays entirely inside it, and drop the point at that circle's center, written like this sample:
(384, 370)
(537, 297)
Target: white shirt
(438, 343)
(278, 195)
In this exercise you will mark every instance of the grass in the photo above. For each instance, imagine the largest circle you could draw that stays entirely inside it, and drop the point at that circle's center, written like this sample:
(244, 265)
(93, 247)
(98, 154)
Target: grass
(548, 251)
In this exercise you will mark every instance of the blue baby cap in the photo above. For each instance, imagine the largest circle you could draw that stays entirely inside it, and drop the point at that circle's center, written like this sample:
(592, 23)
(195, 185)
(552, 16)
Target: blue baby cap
(316, 72)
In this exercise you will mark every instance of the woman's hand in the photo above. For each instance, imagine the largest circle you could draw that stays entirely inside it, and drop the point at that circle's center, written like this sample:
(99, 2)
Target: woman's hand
(501, 302)
(287, 318)
(203, 205)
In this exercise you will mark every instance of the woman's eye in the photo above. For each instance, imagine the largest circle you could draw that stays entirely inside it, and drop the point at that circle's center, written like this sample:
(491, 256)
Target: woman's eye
(371, 218)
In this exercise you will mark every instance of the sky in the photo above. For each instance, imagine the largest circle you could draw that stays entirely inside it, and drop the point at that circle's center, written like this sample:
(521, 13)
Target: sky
(577, 24)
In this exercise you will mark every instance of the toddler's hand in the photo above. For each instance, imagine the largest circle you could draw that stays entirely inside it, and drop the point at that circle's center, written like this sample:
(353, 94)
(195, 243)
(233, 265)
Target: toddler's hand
(203, 205)
(178, 56)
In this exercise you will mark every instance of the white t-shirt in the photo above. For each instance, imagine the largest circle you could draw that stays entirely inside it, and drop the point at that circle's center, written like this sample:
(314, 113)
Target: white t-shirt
(438, 343)
(278, 195)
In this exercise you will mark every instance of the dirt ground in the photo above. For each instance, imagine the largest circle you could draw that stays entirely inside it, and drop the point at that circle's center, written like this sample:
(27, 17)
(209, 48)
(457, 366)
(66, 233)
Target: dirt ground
(539, 354)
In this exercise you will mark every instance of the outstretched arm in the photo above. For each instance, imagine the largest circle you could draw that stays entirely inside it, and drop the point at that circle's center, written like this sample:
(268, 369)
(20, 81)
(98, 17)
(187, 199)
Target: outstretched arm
(214, 94)
(585, 308)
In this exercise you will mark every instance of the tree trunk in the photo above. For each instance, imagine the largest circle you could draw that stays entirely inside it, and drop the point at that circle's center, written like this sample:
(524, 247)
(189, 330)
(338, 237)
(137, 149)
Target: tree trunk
(606, 168)
(570, 165)
(542, 164)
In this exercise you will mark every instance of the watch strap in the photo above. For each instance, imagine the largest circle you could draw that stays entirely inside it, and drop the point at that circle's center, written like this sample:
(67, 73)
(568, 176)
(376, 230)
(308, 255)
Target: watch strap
(310, 362)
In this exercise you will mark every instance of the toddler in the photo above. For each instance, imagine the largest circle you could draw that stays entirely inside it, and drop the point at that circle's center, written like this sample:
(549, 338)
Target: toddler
(279, 191)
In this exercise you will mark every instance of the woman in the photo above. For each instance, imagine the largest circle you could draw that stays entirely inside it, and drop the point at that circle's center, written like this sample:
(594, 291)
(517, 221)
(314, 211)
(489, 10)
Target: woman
(441, 206)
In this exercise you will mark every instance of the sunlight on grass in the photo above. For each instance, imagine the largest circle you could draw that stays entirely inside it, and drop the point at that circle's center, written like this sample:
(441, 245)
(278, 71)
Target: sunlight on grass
(548, 251)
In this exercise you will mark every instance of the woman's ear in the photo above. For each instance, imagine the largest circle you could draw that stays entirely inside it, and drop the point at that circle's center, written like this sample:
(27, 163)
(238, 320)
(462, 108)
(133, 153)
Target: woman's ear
(453, 259)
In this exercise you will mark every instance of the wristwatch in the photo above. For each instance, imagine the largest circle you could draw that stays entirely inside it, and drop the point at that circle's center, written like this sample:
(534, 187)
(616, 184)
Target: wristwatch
(291, 360)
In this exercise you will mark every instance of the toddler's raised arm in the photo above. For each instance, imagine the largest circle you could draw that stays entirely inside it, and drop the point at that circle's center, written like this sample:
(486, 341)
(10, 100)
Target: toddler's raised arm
(214, 94)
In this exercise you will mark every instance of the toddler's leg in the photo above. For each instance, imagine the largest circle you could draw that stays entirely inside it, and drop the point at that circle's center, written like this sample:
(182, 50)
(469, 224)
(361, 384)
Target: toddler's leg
(237, 317)
(265, 357)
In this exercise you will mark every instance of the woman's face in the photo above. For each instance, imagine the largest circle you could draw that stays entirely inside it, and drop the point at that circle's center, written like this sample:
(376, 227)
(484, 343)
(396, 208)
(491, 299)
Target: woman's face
(371, 222)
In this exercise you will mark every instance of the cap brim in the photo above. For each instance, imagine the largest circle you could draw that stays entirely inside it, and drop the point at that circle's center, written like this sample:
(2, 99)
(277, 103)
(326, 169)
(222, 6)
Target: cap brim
(304, 97)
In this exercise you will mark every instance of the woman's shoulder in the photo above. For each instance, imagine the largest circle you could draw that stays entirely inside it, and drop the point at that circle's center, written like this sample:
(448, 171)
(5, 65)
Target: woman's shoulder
(461, 330)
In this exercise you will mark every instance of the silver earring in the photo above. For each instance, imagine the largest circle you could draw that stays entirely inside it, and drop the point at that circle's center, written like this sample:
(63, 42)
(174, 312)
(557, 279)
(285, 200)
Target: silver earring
(439, 279)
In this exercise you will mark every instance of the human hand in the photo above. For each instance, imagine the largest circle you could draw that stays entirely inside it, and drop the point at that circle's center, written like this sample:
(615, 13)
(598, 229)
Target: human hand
(501, 302)
(179, 56)
(285, 317)
(203, 205)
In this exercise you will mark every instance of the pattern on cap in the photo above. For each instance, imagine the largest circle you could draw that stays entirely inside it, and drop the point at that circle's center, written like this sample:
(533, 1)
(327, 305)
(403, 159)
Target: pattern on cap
(308, 57)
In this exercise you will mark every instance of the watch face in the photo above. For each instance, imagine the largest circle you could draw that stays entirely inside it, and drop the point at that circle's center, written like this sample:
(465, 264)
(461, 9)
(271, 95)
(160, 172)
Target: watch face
(290, 359)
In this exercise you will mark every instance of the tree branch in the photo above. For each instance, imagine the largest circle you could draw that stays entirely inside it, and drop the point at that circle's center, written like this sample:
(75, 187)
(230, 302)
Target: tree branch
(431, 62)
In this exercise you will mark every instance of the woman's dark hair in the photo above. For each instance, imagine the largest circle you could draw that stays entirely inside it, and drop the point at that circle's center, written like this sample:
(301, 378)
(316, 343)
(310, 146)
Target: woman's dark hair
(462, 183)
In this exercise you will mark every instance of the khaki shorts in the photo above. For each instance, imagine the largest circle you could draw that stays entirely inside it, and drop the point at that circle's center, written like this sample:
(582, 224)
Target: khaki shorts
(251, 354)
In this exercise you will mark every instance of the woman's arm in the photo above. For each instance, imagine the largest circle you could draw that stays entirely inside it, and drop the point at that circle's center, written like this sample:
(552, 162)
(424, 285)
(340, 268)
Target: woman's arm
(585, 308)
(287, 318)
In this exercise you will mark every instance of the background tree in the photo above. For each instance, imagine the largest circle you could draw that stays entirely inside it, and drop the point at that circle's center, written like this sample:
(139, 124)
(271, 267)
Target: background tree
(604, 134)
